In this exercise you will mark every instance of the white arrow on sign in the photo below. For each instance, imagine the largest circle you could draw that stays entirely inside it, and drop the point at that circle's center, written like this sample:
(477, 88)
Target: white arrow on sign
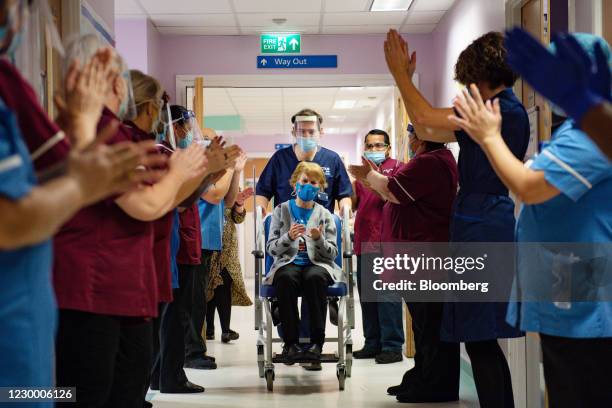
(264, 62)
(293, 43)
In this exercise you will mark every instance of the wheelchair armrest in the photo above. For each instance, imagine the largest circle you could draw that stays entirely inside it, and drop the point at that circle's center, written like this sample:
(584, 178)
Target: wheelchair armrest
(258, 254)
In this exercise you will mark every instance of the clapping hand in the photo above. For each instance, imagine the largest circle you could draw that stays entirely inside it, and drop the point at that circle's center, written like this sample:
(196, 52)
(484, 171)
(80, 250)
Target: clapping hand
(296, 231)
(482, 121)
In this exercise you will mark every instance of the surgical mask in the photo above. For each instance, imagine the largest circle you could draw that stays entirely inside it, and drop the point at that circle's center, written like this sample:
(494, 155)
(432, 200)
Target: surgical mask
(307, 144)
(558, 111)
(186, 141)
(376, 157)
(411, 153)
(306, 192)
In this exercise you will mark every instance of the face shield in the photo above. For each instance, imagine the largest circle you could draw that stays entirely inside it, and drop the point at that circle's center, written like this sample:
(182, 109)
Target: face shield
(187, 130)
(307, 132)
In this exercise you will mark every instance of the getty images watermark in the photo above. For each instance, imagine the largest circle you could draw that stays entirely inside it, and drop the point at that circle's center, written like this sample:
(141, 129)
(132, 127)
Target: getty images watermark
(561, 273)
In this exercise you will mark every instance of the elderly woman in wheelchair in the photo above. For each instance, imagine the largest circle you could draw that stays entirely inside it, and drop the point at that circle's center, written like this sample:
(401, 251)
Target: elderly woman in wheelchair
(303, 244)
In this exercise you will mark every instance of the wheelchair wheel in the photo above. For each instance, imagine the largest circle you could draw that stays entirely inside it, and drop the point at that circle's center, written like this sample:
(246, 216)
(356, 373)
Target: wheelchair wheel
(270, 379)
(349, 359)
(260, 361)
(341, 374)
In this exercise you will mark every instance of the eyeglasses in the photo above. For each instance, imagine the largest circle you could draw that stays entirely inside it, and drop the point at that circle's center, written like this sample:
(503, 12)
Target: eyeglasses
(307, 133)
(376, 146)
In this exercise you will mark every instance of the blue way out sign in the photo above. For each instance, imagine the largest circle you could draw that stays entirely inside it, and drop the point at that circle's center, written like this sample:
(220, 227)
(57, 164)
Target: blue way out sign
(297, 61)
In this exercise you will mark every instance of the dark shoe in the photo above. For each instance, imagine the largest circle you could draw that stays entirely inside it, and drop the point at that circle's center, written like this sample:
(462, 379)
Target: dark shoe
(333, 311)
(365, 353)
(313, 353)
(388, 357)
(210, 336)
(147, 404)
(229, 336)
(185, 388)
(417, 395)
(291, 353)
(408, 380)
(201, 364)
(209, 358)
(312, 366)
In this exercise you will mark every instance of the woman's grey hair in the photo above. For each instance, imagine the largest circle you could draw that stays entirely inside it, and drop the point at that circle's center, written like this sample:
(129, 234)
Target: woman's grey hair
(84, 47)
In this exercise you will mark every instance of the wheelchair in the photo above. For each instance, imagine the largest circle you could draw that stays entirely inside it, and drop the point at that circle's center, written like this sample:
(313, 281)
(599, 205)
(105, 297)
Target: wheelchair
(342, 292)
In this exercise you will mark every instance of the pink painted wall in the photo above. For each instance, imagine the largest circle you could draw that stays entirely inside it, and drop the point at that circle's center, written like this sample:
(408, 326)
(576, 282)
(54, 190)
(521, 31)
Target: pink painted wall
(131, 42)
(466, 21)
(357, 54)
(154, 55)
(106, 10)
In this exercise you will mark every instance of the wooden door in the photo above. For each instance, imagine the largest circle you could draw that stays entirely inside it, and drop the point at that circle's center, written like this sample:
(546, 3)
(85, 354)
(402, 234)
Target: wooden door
(255, 165)
(534, 19)
(607, 20)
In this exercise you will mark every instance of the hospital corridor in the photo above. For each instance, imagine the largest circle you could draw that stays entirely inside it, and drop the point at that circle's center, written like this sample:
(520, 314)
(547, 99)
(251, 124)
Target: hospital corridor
(305, 203)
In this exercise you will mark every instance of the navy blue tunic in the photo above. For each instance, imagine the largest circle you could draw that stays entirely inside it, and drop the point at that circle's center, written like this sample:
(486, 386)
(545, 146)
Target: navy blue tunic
(484, 213)
(274, 180)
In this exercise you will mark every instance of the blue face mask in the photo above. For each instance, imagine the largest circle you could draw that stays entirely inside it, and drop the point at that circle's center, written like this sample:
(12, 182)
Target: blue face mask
(376, 157)
(307, 144)
(185, 142)
(16, 40)
(306, 192)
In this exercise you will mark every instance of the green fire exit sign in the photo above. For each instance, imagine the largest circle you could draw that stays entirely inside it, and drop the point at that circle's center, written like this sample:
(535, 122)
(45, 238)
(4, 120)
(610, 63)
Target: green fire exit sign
(281, 43)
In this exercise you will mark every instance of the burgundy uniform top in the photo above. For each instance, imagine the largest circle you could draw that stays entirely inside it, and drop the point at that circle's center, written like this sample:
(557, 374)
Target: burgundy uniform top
(162, 231)
(36, 127)
(426, 188)
(102, 260)
(368, 225)
(190, 249)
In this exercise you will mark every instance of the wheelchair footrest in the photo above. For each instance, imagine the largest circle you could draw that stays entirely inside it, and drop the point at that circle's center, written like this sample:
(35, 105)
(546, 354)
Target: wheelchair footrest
(325, 358)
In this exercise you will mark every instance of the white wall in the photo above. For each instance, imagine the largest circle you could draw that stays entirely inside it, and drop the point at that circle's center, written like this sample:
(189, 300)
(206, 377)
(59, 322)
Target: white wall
(466, 21)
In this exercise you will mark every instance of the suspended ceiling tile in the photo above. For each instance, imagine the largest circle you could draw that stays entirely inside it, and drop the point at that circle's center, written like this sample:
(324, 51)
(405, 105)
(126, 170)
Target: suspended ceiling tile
(366, 17)
(429, 5)
(359, 29)
(186, 7)
(196, 20)
(199, 30)
(265, 20)
(278, 6)
(258, 30)
(344, 6)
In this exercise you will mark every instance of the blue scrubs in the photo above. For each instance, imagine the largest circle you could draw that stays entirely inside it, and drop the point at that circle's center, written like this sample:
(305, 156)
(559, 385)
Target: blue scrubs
(274, 180)
(483, 212)
(211, 224)
(28, 311)
(581, 213)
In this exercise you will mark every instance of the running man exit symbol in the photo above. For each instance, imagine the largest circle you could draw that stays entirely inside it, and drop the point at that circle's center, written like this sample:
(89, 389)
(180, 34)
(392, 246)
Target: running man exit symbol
(281, 43)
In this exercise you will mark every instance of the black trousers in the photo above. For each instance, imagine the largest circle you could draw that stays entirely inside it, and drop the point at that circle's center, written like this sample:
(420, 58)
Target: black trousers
(436, 362)
(195, 345)
(167, 372)
(222, 302)
(311, 282)
(491, 374)
(577, 371)
(107, 358)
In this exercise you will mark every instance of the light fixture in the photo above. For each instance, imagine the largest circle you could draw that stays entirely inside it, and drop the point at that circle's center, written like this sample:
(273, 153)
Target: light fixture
(345, 104)
(336, 118)
(390, 5)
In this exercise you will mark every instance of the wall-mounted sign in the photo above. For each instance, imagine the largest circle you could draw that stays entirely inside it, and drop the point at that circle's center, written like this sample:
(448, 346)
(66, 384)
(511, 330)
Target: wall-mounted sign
(298, 61)
(279, 146)
(281, 43)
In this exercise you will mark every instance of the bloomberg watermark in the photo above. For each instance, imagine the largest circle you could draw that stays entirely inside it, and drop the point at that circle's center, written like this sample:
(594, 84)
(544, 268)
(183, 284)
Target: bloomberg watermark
(487, 272)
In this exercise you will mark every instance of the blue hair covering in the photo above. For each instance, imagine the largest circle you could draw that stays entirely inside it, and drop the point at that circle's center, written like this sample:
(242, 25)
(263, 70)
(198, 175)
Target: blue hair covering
(587, 42)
